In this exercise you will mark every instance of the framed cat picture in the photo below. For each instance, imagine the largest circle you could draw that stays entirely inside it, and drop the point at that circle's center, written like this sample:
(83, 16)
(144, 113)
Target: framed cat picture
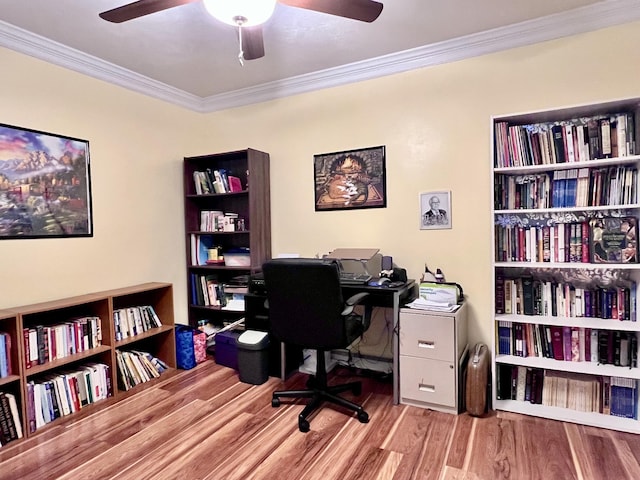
(350, 179)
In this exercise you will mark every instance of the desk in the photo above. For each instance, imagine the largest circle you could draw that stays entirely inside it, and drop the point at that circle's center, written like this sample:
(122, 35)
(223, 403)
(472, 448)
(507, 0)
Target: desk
(389, 297)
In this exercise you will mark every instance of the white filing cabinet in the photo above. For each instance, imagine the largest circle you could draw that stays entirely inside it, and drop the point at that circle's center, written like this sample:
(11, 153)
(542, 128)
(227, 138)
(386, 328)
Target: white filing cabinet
(432, 355)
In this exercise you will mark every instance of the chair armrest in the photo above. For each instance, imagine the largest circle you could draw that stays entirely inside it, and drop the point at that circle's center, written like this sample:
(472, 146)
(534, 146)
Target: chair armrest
(352, 302)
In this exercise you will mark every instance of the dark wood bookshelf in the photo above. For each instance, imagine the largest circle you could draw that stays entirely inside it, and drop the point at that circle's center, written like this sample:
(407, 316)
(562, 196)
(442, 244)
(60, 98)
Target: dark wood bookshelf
(251, 204)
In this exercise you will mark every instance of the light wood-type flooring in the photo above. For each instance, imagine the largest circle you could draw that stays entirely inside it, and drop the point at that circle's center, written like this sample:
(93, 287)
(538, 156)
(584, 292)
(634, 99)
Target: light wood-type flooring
(205, 424)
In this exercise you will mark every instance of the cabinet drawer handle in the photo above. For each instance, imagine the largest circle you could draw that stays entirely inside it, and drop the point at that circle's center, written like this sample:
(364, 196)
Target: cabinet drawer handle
(426, 388)
(426, 344)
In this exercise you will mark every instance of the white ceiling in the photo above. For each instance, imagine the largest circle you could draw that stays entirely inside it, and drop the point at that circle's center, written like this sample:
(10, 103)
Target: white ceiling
(184, 56)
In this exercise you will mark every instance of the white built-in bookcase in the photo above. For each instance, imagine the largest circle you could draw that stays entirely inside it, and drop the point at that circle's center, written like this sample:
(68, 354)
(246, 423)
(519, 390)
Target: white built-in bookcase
(538, 218)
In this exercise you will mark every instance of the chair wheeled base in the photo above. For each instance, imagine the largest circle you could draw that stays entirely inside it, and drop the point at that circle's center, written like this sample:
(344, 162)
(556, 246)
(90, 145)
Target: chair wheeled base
(320, 392)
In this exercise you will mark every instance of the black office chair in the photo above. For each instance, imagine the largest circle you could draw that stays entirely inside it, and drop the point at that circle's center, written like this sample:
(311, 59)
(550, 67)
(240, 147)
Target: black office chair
(306, 308)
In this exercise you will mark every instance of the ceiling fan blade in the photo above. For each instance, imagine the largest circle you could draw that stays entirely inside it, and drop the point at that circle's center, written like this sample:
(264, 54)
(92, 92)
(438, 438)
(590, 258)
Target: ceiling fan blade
(252, 43)
(140, 9)
(363, 10)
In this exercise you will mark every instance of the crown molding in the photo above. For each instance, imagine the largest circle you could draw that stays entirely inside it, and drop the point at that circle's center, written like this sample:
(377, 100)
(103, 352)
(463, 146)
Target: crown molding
(29, 43)
(603, 14)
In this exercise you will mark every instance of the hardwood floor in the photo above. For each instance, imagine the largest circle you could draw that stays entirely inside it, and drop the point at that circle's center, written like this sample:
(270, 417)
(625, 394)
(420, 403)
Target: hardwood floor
(205, 424)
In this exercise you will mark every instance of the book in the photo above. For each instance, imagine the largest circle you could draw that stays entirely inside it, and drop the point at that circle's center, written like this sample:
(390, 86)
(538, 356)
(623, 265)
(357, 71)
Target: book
(566, 343)
(528, 298)
(594, 345)
(613, 240)
(7, 339)
(557, 132)
(220, 186)
(4, 357)
(593, 134)
(499, 297)
(605, 127)
(31, 410)
(5, 419)
(521, 384)
(225, 180)
(235, 185)
(504, 374)
(15, 413)
(504, 338)
(557, 342)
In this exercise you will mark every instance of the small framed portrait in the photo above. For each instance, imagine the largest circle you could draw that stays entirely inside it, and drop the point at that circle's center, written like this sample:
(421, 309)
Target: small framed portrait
(435, 210)
(350, 179)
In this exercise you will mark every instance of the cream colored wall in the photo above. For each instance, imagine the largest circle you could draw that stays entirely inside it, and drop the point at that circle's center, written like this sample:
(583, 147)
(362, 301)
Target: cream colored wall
(136, 149)
(434, 122)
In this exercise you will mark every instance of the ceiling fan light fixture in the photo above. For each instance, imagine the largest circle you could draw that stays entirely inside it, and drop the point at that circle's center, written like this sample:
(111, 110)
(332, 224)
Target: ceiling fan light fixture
(246, 13)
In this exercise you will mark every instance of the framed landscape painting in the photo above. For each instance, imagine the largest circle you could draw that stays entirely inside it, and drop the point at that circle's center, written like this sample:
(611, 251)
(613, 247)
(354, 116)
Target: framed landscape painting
(45, 188)
(350, 179)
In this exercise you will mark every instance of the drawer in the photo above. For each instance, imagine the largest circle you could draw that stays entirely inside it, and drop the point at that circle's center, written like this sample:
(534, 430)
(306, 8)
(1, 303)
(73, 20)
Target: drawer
(427, 381)
(427, 336)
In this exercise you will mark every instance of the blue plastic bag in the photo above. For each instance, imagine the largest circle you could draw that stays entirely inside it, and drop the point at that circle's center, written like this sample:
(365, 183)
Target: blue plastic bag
(185, 351)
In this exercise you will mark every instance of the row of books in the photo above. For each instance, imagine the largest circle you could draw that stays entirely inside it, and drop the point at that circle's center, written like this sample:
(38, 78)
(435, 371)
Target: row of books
(45, 343)
(6, 367)
(206, 290)
(215, 181)
(218, 221)
(135, 367)
(569, 344)
(584, 187)
(530, 296)
(575, 140)
(132, 321)
(599, 240)
(558, 243)
(10, 423)
(617, 396)
(64, 393)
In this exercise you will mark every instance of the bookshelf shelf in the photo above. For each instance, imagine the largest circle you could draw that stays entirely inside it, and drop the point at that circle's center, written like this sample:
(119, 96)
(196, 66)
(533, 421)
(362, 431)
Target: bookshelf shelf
(547, 162)
(222, 268)
(591, 368)
(216, 195)
(585, 322)
(9, 379)
(568, 265)
(61, 362)
(568, 415)
(250, 234)
(600, 208)
(97, 364)
(605, 162)
(144, 335)
(200, 232)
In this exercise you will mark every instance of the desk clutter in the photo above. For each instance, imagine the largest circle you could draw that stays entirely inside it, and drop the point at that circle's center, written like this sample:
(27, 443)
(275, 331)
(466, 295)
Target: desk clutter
(436, 294)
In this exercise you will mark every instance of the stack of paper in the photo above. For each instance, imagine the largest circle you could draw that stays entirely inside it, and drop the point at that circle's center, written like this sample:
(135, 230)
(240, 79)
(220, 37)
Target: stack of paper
(234, 304)
(422, 304)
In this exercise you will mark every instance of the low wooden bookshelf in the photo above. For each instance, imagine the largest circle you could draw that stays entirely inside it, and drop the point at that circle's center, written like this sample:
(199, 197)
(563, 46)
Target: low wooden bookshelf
(93, 350)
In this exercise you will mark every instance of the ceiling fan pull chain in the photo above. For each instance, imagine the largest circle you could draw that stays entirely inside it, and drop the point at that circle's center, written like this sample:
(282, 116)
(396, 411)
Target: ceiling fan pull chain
(241, 53)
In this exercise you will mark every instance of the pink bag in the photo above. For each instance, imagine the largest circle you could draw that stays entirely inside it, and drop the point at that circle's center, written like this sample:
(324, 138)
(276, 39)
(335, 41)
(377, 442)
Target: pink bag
(200, 346)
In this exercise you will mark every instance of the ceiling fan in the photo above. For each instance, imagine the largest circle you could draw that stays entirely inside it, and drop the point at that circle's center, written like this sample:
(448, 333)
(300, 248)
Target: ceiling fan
(249, 15)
